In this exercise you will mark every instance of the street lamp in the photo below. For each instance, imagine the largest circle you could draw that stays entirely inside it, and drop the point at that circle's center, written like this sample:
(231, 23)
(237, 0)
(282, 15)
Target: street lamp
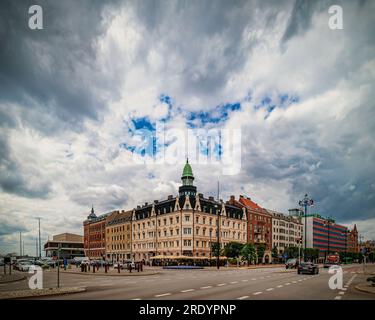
(346, 244)
(328, 224)
(218, 237)
(305, 202)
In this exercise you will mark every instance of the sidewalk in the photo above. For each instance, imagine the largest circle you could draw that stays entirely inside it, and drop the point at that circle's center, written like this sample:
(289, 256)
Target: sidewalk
(21, 294)
(111, 272)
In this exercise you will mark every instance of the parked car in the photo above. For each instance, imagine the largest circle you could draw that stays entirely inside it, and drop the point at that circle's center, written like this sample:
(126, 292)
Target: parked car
(24, 265)
(308, 267)
(1, 261)
(291, 264)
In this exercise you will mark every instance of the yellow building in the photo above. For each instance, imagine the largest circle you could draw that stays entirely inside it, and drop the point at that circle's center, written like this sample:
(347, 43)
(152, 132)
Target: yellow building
(118, 236)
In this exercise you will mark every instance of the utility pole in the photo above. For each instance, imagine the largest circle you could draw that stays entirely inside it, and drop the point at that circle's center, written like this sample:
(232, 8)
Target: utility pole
(40, 244)
(305, 202)
(20, 244)
(58, 265)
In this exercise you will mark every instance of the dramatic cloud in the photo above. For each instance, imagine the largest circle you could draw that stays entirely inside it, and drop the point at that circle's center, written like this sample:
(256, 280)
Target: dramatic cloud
(74, 96)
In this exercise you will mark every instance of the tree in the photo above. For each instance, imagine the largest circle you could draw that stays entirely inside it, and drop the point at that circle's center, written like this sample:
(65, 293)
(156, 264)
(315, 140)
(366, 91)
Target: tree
(215, 248)
(312, 254)
(291, 252)
(275, 253)
(233, 249)
(260, 251)
(248, 253)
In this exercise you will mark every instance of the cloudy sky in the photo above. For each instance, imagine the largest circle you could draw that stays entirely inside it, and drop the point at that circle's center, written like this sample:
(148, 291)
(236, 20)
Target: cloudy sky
(75, 95)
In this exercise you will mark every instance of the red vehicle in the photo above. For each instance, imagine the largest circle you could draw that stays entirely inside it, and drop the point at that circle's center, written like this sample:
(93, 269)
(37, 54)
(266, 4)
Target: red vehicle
(332, 259)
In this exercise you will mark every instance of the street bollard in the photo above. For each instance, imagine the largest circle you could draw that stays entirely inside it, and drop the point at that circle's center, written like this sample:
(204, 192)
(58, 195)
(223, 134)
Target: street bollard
(93, 269)
(118, 268)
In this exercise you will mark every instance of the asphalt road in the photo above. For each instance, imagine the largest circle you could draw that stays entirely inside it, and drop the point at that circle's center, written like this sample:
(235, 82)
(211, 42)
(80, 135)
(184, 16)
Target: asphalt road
(225, 284)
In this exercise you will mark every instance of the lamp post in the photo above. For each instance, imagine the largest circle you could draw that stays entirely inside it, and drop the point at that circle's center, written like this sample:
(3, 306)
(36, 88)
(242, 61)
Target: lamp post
(218, 237)
(346, 244)
(328, 224)
(306, 202)
(210, 246)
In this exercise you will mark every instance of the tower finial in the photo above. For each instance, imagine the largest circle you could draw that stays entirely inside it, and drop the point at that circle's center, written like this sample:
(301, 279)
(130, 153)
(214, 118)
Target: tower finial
(187, 159)
(92, 208)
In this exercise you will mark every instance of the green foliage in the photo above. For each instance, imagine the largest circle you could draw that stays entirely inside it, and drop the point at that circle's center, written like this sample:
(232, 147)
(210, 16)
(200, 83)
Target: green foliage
(312, 254)
(274, 252)
(292, 252)
(233, 249)
(215, 249)
(248, 253)
(260, 251)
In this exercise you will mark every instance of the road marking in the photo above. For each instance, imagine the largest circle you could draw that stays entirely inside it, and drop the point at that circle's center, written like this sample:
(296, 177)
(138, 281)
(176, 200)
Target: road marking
(253, 278)
(206, 287)
(221, 284)
(341, 292)
(187, 290)
(280, 286)
(233, 282)
(162, 295)
(299, 280)
(136, 299)
(344, 289)
(241, 298)
(245, 280)
(287, 284)
(269, 289)
(294, 281)
(338, 297)
(256, 293)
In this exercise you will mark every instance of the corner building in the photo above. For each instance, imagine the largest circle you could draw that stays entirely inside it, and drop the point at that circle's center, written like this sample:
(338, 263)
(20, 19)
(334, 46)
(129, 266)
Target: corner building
(185, 225)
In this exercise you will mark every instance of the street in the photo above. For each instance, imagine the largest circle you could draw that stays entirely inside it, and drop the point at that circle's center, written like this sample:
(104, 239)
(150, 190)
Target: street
(223, 284)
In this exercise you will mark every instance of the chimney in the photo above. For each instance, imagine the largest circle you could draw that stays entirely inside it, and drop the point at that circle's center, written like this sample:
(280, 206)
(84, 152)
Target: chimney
(156, 201)
(211, 198)
(170, 197)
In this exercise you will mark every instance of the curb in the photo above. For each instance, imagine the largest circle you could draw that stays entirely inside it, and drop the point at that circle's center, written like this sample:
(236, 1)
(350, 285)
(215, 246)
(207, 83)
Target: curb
(111, 275)
(364, 290)
(46, 294)
(13, 280)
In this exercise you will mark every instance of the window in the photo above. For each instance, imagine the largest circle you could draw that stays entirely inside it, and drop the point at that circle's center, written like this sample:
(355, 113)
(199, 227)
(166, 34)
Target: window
(171, 220)
(177, 219)
(187, 218)
(177, 231)
(165, 221)
(197, 219)
(187, 230)
(197, 243)
(204, 220)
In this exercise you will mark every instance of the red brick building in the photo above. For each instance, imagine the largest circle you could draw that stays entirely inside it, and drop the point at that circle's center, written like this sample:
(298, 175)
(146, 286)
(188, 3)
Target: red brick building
(259, 224)
(94, 235)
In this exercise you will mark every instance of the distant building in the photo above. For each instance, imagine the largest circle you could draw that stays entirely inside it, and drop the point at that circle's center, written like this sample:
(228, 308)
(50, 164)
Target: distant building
(325, 235)
(286, 231)
(94, 235)
(71, 245)
(118, 233)
(352, 241)
(259, 226)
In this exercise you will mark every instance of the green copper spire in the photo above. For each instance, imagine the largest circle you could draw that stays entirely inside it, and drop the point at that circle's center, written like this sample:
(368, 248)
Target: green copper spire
(187, 172)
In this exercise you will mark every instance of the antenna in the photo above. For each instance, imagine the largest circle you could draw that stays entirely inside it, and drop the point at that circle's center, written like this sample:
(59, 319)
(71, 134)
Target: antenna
(218, 189)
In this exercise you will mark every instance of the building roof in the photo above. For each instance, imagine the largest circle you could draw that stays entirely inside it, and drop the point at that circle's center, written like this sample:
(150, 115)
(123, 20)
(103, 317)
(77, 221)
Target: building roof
(118, 217)
(188, 171)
